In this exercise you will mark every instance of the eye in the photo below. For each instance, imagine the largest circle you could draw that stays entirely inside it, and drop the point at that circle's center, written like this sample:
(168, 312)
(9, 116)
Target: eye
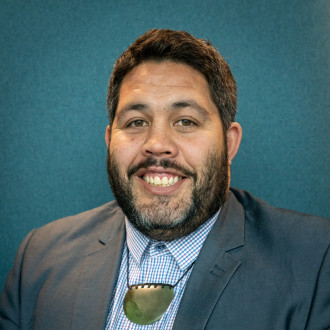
(137, 123)
(185, 123)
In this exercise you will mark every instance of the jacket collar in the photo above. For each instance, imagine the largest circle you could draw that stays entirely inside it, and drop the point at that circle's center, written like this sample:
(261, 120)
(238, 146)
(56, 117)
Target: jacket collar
(214, 267)
(98, 274)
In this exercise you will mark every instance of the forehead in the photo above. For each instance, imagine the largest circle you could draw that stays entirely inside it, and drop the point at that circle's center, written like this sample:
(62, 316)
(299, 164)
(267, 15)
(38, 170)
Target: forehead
(154, 72)
(165, 82)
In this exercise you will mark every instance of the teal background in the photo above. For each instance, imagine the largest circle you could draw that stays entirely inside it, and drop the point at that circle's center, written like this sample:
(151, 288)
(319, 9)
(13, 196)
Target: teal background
(56, 58)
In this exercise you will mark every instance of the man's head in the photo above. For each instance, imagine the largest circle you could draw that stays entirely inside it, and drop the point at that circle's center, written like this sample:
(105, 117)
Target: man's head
(169, 142)
(178, 46)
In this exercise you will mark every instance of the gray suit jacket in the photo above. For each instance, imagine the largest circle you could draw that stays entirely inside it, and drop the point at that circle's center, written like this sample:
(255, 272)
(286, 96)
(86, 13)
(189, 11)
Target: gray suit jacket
(260, 268)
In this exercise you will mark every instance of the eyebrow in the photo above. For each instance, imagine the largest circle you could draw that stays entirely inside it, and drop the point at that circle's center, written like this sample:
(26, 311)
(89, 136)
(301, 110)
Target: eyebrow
(175, 106)
(131, 107)
(191, 104)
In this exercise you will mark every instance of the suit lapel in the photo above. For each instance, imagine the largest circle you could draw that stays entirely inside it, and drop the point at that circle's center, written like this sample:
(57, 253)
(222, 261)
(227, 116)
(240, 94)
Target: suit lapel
(98, 277)
(213, 269)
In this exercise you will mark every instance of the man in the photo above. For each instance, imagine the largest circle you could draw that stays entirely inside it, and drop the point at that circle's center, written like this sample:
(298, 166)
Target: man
(178, 248)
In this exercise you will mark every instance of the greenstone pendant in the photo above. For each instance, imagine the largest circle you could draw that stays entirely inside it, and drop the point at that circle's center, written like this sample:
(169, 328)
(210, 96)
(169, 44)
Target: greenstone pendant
(146, 304)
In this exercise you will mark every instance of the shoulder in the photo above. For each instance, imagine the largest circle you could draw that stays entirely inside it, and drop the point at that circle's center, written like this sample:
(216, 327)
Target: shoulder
(94, 217)
(77, 231)
(259, 208)
(51, 259)
(285, 227)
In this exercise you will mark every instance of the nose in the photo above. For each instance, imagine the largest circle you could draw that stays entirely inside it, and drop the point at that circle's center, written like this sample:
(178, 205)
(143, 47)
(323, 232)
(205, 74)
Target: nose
(160, 143)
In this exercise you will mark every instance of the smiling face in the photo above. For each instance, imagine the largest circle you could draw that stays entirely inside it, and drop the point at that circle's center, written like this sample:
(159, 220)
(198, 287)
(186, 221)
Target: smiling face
(168, 160)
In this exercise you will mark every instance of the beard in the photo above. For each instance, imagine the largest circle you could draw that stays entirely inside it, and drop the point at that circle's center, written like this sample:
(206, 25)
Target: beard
(166, 217)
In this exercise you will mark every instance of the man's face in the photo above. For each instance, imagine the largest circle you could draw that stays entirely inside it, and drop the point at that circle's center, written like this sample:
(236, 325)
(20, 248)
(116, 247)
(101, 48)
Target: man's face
(167, 159)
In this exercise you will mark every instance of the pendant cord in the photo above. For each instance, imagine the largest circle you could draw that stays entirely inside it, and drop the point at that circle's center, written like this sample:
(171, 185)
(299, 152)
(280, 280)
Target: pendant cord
(127, 273)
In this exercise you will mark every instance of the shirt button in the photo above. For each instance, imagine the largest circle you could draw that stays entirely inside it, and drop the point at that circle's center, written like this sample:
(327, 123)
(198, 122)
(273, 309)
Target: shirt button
(160, 246)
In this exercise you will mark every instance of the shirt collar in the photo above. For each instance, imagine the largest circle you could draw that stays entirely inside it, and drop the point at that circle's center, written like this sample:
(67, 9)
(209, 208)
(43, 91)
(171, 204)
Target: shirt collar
(136, 241)
(184, 250)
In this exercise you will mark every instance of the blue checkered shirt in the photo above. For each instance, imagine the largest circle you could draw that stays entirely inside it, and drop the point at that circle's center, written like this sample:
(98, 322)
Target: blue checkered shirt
(153, 261)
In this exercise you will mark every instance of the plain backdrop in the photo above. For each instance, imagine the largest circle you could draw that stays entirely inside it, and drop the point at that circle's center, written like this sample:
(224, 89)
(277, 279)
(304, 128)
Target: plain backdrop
(56, 58)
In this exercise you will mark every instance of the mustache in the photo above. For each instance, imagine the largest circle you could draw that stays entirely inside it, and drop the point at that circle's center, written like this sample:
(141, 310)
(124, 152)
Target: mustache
(165, 163)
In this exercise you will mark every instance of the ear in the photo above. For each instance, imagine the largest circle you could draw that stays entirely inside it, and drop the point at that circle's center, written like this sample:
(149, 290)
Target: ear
(107, 136)
(234, 136)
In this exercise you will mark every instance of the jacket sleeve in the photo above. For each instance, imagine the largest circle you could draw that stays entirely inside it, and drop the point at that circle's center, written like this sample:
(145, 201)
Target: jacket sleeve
(319, 316)
(10, 310)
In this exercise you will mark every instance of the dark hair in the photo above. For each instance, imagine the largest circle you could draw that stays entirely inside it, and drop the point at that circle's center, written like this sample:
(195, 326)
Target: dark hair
(178, 46)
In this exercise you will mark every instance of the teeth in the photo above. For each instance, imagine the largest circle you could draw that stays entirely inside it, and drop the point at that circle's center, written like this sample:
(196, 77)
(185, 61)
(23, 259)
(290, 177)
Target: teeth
(164, 182)
(157, 181)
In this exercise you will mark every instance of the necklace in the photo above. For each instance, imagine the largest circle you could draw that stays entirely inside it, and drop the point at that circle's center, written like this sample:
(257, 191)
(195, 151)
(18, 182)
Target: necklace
(146, 303)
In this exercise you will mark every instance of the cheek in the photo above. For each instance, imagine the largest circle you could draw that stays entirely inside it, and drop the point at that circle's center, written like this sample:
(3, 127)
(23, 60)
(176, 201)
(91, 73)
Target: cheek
(197, 151)
(125, 149)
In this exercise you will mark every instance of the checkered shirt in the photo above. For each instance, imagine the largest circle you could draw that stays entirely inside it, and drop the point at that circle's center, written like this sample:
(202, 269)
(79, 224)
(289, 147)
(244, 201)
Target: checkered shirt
(153, 261)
